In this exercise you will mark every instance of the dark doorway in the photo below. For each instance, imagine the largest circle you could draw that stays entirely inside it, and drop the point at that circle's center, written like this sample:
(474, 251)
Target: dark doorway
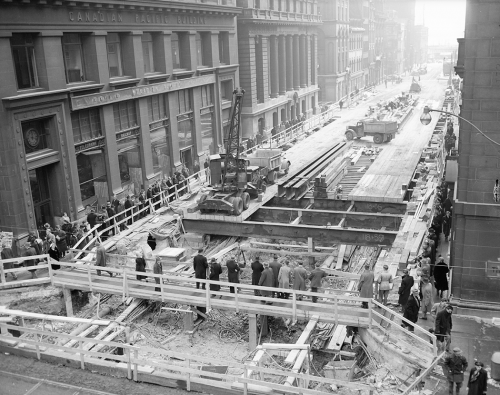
(275, 118)
(40, 193)
(283, 115)
(187, 158)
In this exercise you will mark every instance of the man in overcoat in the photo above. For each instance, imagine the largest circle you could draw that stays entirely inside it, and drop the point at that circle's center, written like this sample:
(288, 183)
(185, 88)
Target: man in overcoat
(257, 269)
(200, 266)
(365, 285)
(267, 280)
(457, 365)
(404, 291)
(233, 273)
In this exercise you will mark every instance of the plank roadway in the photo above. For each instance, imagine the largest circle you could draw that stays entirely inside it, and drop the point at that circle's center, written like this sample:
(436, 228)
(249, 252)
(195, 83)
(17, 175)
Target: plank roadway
(344, 312)
(397, 162)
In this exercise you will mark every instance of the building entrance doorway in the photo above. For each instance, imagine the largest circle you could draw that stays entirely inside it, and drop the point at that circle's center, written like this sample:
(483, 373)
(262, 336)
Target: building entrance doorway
(40, 193)
(187, 158)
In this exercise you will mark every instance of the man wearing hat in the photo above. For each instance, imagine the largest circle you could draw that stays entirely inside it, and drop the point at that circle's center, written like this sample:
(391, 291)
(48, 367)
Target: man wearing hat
(411, 309)
(257, 269)
(200, 266)
(111, 213)
(457, 365)
(404, 291)
(267, 280)
(443, 325)
(215, 272)
(478, 380)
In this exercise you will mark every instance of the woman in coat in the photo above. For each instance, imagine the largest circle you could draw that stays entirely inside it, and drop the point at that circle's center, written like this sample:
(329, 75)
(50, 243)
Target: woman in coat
(140, 266)
(215, 272)
(411, 309)
(441, 271)
(54, 255)
(284, 278)
(267, 280)
(61, 241)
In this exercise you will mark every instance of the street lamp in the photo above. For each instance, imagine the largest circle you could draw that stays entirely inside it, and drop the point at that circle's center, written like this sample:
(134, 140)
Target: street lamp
(426, 119)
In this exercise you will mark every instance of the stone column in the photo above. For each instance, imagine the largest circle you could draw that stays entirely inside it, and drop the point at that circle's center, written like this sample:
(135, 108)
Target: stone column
(162, 46)
(273, 40)
(302, 60)
(289, 63)
(213, 48)
(308, 60)
(111, 157)
(50, 60)
(296, 63)
(145, 146)
(261, 60)
(282, 64)
(314, 64)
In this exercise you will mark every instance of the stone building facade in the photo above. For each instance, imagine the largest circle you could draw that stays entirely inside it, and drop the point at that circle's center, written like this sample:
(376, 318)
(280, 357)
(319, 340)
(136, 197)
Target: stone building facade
(475, 252)
(277, 46)
(103, 98)
(333, 49)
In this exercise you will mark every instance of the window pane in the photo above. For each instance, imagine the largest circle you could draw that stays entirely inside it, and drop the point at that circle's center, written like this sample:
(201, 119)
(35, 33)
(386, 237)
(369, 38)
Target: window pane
(207, 129)
(132, 115)
(95, 123)
(123, 116)
(147, 55)
(160, 151)
(116, 115)
(77, 137)
(24, 63)
(175, 51)
(114, 55)
(199, 52)
(156, 108)
(85, 125)
(73, 58)
(185, 127)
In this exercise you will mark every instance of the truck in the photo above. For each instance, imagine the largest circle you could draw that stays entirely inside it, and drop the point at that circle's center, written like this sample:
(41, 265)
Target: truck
(380, 130)
(415, 87)
(269, 162)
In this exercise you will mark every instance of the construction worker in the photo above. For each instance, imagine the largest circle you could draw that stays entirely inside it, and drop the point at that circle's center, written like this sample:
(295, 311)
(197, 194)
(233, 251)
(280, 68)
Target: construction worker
(157, 269)
(100, 257)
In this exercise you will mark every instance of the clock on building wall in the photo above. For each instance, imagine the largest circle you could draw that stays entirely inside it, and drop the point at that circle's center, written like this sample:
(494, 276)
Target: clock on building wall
(32, 137)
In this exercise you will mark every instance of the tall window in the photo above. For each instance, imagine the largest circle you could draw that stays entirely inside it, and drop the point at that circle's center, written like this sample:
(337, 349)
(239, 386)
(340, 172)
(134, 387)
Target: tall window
(73, 58)
(147, 52)
(86, 124)
(226, 90)
(185, 119)
(176, 59)
(206, 116)
(23, 53)
(224, 48)
(125, 115)
(157, 107)
(114, 54)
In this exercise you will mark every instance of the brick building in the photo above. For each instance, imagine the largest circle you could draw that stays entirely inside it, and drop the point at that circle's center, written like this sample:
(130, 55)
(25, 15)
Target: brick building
(101, 98)
(475, 252)
(277, 46)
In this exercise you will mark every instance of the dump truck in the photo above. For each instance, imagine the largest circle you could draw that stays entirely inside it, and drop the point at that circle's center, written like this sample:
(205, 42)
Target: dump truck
(415, 87)
(269, 162)
(380, 130)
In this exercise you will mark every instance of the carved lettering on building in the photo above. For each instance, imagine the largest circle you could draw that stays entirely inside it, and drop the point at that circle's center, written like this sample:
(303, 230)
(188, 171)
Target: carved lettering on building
(95, 17)
(140, 18)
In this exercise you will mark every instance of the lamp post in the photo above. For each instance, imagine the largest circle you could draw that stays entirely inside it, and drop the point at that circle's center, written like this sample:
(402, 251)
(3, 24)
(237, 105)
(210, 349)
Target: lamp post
(426, 119)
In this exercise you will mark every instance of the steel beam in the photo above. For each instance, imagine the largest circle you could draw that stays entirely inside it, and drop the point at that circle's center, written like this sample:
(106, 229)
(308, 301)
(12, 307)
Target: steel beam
(339, 205)
(321, 235)
(327, 217)
(360, 206)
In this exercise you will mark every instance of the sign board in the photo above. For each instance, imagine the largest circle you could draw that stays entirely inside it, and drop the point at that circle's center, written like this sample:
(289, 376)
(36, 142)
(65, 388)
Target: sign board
(493, 269)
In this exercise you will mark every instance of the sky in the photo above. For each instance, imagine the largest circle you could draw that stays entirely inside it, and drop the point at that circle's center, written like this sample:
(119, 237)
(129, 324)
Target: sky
(444, 18)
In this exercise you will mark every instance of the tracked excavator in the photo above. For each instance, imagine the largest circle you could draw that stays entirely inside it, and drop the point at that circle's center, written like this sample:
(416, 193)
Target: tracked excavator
(229, 192)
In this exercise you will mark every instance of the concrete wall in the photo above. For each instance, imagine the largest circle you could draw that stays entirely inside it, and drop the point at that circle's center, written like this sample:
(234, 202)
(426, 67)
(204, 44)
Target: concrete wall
(476, 216)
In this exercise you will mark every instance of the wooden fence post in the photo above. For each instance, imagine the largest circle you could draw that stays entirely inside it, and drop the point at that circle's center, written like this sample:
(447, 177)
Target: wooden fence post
(82, 355)
(2, 274)
(136, 356)
(68, 302)
(188, 387)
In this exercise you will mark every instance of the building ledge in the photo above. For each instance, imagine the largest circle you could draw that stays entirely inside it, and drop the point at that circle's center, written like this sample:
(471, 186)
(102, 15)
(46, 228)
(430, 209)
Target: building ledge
(272, 16)
(152, 77)
(85, 86)
(183, 73)
(118, 81)
(489, 210)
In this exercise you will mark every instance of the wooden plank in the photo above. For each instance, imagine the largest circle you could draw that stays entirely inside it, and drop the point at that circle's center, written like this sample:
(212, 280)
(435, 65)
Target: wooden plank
(304, 337)
(338, 337)
(340, 257)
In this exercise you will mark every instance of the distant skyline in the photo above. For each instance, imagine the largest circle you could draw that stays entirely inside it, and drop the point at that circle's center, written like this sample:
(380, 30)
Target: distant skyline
(444, 18)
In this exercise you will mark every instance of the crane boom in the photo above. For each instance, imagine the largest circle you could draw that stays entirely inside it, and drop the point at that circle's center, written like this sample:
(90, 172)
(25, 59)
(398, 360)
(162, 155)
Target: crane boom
(232, 157)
